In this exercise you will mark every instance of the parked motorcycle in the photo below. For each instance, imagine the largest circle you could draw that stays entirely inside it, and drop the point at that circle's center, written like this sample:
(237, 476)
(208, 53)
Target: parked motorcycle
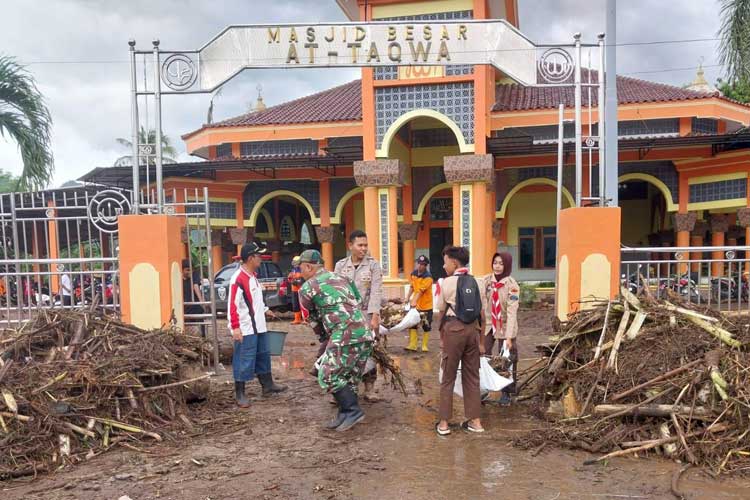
(726, 289)
(684, 286)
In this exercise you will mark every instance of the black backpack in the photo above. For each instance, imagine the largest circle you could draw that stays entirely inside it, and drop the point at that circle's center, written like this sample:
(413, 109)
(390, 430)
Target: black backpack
(468, 300)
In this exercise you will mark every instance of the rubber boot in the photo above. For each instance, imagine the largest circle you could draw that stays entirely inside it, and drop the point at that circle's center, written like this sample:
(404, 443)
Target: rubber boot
(353, 414)
(297, 318)
(425, 339)
(340, 416)
(239, 395)
(268, 385)
(412, 340)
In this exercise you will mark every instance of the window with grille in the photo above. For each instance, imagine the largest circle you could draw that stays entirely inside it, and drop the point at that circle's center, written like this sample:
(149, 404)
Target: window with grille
(286, 229)
(537, 247)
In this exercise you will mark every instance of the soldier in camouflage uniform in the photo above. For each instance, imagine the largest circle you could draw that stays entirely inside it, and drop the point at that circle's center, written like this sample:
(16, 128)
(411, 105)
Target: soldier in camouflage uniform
(367, 276)
(331, 303)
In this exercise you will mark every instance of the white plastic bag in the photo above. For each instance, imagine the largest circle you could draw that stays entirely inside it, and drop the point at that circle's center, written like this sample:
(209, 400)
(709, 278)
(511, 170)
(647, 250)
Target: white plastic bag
(383, 330)
(458, 388)
(410, 320)
(489, 380)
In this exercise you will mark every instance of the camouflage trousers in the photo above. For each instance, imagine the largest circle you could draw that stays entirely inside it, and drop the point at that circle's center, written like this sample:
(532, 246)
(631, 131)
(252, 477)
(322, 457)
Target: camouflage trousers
(343, 365)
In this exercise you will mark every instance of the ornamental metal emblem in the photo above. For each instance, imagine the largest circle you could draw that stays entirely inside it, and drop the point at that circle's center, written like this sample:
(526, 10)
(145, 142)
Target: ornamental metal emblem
(556, 65)
(590, 142)
(146, 150)
(222, 293)
(50, 213)
(104, 209)
(178, 72)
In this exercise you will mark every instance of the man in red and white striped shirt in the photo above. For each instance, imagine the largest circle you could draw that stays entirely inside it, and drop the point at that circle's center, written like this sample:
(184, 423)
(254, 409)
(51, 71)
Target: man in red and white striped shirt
(247, 322)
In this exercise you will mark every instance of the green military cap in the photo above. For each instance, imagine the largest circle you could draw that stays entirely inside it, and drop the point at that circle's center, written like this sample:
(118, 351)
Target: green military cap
(311, 257)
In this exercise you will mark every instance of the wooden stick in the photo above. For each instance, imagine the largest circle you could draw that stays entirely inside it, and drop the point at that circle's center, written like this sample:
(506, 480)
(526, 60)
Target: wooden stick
(681, 435)
(20, 418)
(687, 312)
(618, 339)
(593, 388)
(664, 376)
(636, 325)
(175, 384)
(604, 330)
(648, 410)
(654, 443)
(716, 331)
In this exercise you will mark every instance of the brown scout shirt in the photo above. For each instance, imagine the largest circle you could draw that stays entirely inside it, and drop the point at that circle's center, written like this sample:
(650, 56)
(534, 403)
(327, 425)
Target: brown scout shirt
(368, 278)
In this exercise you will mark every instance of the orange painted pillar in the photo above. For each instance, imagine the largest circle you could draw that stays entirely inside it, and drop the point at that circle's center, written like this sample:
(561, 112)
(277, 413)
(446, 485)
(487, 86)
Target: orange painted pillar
(409, 257)
(240, 209)
(588, 264)
(717, 240)
(696, 241)
(216, 258)
(392, 271)
(326, 234)
(372, 221)
(719, 227)
(53, 244)
(150, 257)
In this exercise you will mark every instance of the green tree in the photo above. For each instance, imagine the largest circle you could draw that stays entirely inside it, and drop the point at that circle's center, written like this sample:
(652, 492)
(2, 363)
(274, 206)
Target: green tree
(25, 120)
(734, 51)
(8, 182)
(168, 151)
(738, 90)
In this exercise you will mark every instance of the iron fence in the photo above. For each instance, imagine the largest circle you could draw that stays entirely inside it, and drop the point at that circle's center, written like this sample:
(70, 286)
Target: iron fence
(60, 250)
(714, 276)
(54, 254)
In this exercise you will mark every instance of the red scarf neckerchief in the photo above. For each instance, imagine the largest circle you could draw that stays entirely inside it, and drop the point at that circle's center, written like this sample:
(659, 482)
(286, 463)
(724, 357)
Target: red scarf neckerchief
(461, 270)
(497, 306)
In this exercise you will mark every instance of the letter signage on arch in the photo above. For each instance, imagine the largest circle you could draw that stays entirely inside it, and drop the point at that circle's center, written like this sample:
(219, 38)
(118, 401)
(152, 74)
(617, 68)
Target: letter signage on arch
(396, 43)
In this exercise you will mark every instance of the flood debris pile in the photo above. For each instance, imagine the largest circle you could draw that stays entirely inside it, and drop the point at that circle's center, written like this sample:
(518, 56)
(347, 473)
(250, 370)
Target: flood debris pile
(648, 377)
(391, 313)
(74, 384)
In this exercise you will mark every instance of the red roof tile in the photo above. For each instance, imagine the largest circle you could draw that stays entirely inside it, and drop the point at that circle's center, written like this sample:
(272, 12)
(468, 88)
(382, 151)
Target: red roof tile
(344, 103)
(513, 97)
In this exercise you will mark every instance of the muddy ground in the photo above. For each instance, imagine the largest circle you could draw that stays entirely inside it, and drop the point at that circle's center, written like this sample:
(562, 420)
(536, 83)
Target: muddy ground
(277, 449)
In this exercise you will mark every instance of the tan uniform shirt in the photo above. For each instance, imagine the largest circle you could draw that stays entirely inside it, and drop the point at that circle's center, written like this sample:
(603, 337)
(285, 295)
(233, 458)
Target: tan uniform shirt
(509, 300)
(368, 278)
(447, 295)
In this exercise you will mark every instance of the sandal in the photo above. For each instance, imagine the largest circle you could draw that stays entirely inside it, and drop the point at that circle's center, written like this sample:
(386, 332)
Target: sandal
(465, 426)
(442, 432)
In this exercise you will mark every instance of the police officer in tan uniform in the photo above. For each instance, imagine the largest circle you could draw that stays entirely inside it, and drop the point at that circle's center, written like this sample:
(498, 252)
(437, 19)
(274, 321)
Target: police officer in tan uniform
(367, 275)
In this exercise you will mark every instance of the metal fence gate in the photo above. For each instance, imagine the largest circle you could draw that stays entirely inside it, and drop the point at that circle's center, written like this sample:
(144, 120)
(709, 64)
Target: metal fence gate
(60, 250)
(714, 276)
(54, 254)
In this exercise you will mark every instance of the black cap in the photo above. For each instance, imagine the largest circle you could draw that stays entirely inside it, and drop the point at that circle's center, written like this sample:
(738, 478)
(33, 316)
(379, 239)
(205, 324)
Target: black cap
(250, 249)
(423, 260)
(186, 263)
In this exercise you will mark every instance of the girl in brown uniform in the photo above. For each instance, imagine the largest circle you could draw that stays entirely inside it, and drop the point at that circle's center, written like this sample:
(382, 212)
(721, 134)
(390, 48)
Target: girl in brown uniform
(501, 299)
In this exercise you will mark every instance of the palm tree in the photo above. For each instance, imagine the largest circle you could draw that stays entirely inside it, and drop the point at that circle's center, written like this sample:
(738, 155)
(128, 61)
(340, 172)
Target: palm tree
(25, 119)
(735, 39)
(167, 149)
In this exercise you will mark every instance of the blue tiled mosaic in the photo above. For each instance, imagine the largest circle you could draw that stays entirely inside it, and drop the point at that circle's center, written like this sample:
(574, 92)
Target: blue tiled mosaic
(454, 100)
(465, 218)
(384, 234)
(721, 190)
(391, 72)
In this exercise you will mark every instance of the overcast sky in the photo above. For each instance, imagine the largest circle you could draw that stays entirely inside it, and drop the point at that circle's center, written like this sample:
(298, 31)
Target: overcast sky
(78, 53)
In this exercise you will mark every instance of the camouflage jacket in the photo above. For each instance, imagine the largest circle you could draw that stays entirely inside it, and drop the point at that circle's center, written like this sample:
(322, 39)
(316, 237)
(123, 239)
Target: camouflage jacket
(332, 302)
(367, 277)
